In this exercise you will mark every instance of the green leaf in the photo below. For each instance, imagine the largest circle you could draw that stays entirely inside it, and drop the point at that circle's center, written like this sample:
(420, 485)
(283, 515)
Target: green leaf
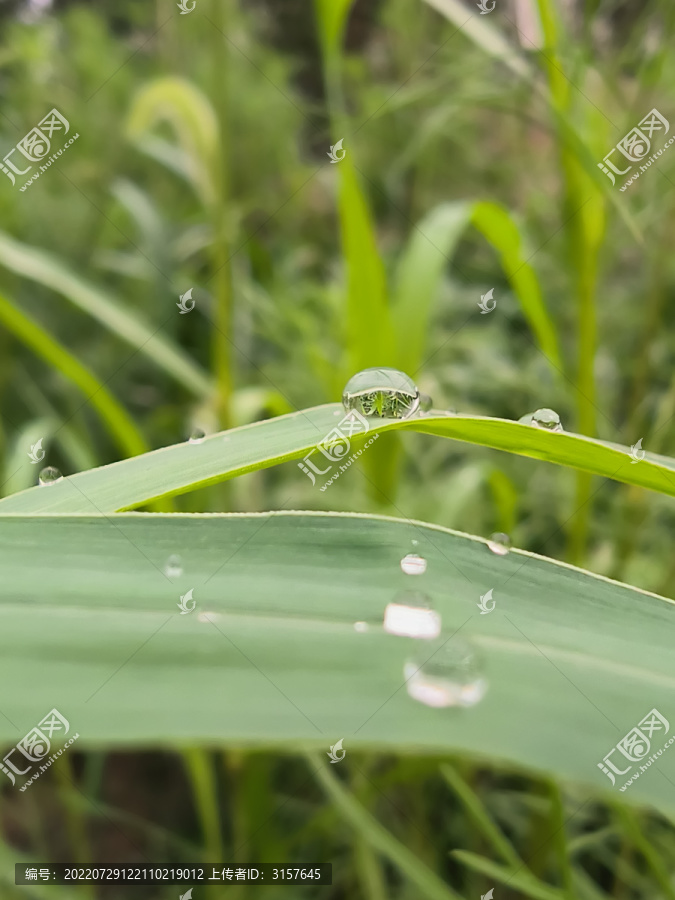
(270, 656)
(41, 267)
(495, 223)
(369, 335)
(184, 467)
(332, 19)
(418, 277)
(378, 837)
(118, 422)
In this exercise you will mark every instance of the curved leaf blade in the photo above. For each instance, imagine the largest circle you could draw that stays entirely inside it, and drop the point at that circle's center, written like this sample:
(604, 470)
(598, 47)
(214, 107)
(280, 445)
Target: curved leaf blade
(184, 467)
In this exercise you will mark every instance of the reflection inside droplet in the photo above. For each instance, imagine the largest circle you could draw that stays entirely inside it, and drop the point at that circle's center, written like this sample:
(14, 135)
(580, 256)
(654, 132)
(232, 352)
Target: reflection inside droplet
(413, 564)
(381, 393)
(499, 543)
(173, 567)
(49, 475)
(411, 615)
(450, 676)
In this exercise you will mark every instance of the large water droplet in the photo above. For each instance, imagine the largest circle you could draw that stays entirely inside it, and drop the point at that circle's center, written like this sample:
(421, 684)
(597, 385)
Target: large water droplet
(49, 475)
(197, 435)
(543, 418)
(412, 564)
(173, 568)
(411, 615)
(451, 676)
(499, 543)
(384, 393)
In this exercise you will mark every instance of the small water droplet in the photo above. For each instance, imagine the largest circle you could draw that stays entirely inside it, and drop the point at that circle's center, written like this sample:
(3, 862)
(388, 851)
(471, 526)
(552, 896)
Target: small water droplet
(360, 626)
(412, 615)
(173, 568)
(381, 393)
(412, 564)
(543, 418)
(208, 617)
(425, 402)
(197, 435)
(451, 676)
(499, 543)
(49, 475)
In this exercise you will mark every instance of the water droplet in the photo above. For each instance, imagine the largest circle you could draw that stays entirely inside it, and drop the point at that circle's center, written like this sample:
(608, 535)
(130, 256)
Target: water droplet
(412, 564)
(49, 475)
(415, 543)
(499, 543)
(451, 676)
(173, 568)
(411, 615)
(425, 402)
(384, 393)
(197, 435)
(543, 418)
(208, 617)
(360, 626)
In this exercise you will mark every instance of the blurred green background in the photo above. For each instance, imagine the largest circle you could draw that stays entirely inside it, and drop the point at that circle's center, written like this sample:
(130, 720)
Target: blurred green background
(472, 145)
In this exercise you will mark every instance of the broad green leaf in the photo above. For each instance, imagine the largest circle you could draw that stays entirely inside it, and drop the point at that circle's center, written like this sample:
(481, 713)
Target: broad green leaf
(495, 223)
(115, 417)
(418, 277)
(184, 467)
(35, 264)
(270, 655)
